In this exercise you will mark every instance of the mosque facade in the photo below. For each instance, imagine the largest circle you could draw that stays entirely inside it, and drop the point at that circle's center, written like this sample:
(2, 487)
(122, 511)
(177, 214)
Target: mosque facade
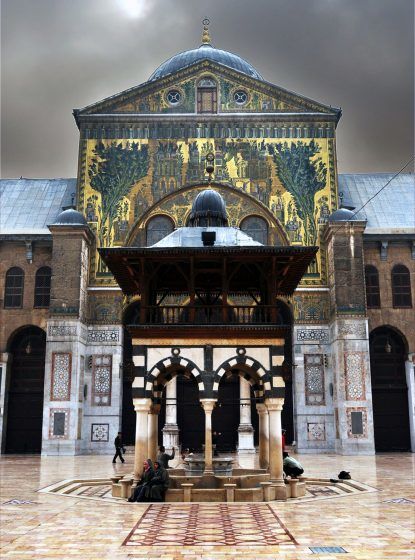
(83, 340)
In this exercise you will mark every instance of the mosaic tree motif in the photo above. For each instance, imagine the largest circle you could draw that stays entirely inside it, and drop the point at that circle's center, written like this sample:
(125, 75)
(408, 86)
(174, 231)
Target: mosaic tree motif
(113, 171)
(303, 175)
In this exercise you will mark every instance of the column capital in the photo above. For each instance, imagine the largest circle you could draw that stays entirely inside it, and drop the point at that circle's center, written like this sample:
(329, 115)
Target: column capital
(261, 408)
(142, 405)
(208, 404)
(274, 404)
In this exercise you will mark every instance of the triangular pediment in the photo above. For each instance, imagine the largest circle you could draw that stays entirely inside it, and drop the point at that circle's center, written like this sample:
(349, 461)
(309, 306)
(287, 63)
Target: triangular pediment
(154, 97)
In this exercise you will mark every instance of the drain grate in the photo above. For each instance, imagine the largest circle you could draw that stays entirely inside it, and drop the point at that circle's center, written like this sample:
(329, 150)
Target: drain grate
(398, 501)
(327, 549)
(16, 502)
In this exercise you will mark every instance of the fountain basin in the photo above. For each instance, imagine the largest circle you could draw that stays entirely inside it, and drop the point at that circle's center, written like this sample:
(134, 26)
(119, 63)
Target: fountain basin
(194, 465)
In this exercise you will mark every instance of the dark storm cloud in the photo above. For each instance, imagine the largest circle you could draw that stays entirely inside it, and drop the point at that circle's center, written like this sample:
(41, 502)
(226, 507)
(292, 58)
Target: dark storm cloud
(61, 54)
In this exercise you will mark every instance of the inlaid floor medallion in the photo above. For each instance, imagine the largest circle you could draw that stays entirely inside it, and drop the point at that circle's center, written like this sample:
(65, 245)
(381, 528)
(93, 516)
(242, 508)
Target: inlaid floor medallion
(209, 525)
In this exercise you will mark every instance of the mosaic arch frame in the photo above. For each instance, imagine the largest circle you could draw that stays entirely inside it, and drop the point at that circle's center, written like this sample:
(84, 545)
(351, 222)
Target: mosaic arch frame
(165, 370)
(177, 206)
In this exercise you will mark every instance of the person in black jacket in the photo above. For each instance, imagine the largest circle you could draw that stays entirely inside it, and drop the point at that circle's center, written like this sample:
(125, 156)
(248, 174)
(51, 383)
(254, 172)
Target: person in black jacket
(119, 448)
(163, 458)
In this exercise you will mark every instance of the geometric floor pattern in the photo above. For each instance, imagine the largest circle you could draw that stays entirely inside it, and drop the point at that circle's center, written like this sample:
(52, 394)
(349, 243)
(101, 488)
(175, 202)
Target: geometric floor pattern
(210, 525)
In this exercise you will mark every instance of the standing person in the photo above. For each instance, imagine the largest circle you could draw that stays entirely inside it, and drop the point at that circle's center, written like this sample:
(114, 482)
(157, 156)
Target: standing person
(119, 447)
(163, 458)
(291, 466)
(283, 440)
(158, 485)
(139, 493)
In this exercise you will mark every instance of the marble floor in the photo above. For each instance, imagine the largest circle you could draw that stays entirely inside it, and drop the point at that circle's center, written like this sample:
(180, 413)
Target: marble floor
(364, 526)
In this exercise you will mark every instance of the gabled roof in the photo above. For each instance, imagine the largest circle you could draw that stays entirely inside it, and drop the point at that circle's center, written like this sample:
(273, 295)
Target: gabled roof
(28, 206)
(109, 104)
(390, 211)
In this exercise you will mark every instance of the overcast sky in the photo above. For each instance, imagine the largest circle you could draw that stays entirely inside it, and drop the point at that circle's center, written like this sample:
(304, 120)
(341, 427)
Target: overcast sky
(63, 54)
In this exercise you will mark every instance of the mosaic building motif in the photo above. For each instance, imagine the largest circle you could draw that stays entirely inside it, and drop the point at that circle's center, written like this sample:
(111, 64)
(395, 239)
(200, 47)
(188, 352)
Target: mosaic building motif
(316, 431)
(311, 308)
(59, 423)
(61, 377)
(101, 380)
(100, 432)
(314, 379)
(354, 376)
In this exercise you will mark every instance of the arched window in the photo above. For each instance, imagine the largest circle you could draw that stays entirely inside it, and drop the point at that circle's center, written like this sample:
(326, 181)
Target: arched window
(157, 228)
(401, 286)
(42, 287)
(257, 228)
(13, 291)
(207, 96)
(372, 286)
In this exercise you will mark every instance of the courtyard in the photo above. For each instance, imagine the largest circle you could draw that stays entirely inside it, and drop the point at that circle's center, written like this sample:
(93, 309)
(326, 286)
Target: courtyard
(373, 524)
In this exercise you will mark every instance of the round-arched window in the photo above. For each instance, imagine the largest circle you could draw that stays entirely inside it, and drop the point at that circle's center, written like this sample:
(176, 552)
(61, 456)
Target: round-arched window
(257, 228)
(157, 228)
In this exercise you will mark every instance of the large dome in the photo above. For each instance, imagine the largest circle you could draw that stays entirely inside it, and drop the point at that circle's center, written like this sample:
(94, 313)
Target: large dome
(204, 52)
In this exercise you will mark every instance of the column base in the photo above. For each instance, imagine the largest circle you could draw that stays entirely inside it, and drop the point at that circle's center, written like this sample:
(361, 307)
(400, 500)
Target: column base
(279, 490)
(171, 437)
(246, 439)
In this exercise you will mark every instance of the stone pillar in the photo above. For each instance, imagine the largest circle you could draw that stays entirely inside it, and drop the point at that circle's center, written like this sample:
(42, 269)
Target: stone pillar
(171, 429)
(410, 381)
(274, 407)
(5, 358)
(263, 436)
(208, 406)
(153, 416)
(142, 408)
(245, 430)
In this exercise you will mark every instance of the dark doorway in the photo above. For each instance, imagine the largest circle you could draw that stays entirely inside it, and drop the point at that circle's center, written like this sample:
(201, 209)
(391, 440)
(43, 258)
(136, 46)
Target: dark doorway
(287, 414)
(25, 394)
(389, 390)
(128, 417)
(225, 416)
(190, 414)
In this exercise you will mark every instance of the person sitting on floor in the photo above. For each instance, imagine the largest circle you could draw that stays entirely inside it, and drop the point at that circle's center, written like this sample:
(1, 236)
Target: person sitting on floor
(158, 485)
(291, 466)
(146, 476)
(163, 458)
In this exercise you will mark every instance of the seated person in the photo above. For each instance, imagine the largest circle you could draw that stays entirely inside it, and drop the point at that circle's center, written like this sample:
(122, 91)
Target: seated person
(146, 476)
(291, 466)
(163, 458)
(158, 485)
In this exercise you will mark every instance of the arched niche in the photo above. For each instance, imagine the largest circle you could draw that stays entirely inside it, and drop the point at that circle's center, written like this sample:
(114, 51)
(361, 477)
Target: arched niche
(239, 205)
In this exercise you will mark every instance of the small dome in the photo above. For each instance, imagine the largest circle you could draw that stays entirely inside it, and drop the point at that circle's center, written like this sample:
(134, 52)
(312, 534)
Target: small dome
(70, 217)
(204, 52)
(343, 215)
(208, 209)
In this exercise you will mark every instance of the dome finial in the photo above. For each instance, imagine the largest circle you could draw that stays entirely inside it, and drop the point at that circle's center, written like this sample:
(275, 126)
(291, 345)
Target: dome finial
(205, 34)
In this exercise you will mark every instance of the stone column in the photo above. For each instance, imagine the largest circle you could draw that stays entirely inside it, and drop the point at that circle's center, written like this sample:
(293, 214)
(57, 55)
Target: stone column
(153, 416)
(5, 359)
(263, 435)
(245, 430)
(208, 406)
(410, 381)
(142, 408)
(171, 429)
(274, 407)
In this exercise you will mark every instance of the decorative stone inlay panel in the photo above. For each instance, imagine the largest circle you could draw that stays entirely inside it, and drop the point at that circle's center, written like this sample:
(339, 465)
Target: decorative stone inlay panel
(314, 379)
(356, 422)
(59, 423)
(316, 431)
(100, 432)
(103, 336)
(62, 330)
(61, 376)
(319, 335)
(357, 329)
(101, 380)
(354, 372)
